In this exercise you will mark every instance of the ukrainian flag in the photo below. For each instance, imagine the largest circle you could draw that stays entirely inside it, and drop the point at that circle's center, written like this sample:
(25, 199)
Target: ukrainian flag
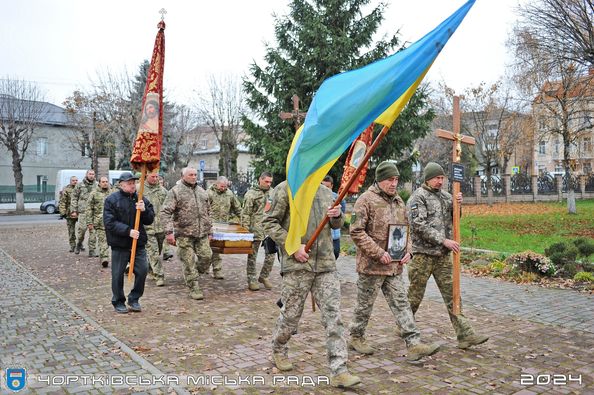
(344, 106)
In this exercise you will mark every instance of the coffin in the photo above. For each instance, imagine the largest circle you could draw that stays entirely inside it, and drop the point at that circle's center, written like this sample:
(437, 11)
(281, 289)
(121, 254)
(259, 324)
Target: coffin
(231, 239)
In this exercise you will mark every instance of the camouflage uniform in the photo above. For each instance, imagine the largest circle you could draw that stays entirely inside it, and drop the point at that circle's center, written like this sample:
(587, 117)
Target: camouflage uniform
(374, 211)
(254, 204)
(430, 214)
(317, 275)
(64, 207)
(94, 217)
(186, 213)
(156, 194)
(78, 203)
(224, 207)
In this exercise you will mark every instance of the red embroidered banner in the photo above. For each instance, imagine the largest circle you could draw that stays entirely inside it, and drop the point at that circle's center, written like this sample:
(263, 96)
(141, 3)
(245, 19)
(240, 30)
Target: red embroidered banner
(147, 146)
(356, 155)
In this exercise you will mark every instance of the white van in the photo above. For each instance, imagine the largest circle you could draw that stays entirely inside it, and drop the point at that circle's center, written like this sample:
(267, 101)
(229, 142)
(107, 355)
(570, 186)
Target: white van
(114, 176)
(63, 179)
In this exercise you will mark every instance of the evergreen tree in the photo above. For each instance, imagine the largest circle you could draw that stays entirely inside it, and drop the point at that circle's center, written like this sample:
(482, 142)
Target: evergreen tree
(316, 40)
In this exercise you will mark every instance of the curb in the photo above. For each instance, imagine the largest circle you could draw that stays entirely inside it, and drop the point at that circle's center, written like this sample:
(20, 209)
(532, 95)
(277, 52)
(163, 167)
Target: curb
(133, 355)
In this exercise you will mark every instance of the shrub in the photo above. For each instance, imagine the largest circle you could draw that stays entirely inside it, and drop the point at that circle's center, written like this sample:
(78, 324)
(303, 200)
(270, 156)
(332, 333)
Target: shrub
(584, 246)
(404, 194)
(571, 257)
(530, 261)
(584, 276)
(498, 268)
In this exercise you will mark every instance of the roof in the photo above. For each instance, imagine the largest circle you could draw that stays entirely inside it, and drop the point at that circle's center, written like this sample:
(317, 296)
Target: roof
(49, 114)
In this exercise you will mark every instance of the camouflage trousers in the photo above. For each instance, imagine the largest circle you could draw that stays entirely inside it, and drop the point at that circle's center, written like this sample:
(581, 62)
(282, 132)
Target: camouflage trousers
(251, 263)
(326, 289)
(71, 224)
(187, 248)
(154, 246)
(419, 271)
(102, 244)
(216, 262)
(80, 233)
(394, 291)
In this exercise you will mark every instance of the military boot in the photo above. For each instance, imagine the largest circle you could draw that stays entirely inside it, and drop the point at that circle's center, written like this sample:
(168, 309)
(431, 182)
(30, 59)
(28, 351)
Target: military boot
(266, 282)
(78, 248)
(472, 340)
(218, 275)
(160, 281)
(421, 350)
(72, 248)
(195, 292)
(360, 345)
(344, 380)
(281, 362)
(253, 285)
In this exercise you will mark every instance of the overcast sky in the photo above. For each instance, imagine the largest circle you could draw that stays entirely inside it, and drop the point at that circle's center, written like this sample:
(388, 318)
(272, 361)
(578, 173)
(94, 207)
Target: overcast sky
(62, 44)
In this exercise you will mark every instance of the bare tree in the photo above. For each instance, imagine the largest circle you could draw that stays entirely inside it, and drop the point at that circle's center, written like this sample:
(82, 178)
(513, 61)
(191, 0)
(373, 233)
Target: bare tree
(22, 110)
(562, 27)
(221, 109)
(562, 93)
(181, 140)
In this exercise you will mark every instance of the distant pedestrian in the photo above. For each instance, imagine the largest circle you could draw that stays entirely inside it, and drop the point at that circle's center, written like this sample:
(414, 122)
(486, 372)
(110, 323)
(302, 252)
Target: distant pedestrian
(119, 216)
(78, 207)
(431, 214)
(156, 194)
(66, 212)
(94, 217)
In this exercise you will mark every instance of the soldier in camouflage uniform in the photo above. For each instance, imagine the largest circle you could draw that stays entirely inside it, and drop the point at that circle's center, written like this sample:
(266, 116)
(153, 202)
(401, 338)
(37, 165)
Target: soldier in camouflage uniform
(304, 272)
(374, 211)
(78, 205)
(225, 208)
(431, 215)
(185, 215)
(94, 217)
(156, 194)
(255, 203)
(64, 207)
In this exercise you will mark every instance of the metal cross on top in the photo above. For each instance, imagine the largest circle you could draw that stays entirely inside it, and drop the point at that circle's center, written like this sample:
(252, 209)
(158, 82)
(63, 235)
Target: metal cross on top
(458, 140)
(295, 115)
(163, 12)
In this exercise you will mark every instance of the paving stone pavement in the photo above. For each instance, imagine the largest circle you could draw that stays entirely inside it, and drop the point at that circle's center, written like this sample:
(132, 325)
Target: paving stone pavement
(46, 334)
(228, 334)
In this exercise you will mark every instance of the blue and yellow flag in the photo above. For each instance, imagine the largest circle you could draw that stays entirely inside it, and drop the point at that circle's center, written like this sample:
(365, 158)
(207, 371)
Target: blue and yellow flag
(344, 106)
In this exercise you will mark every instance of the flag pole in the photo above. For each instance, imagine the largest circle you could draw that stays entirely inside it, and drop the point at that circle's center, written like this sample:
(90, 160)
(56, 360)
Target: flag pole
(345, 190)
(137, 222)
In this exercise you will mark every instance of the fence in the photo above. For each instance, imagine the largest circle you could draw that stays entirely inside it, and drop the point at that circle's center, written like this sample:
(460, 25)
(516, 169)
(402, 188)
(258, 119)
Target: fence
(30, 197)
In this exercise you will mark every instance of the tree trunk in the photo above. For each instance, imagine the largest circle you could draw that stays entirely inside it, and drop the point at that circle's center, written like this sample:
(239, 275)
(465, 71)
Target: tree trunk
(571, 208)
(489, 186)
(17, 171)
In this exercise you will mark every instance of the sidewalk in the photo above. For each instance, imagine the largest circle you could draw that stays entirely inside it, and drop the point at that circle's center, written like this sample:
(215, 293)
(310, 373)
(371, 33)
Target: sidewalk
(536, 333)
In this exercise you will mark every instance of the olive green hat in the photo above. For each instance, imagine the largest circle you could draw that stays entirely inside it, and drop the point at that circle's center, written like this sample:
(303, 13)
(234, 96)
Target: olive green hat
(385, 170)
(432, 170)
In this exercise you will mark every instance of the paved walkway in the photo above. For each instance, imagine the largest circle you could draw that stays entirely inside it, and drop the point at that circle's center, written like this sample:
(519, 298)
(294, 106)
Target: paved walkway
(536, 333)
(45, 333)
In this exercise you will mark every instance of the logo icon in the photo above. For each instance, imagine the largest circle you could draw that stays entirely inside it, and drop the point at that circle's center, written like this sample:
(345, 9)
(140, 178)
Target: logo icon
(16, 379)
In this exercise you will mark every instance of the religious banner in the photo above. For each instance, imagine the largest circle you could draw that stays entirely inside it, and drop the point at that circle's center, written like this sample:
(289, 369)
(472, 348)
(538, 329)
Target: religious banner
(356, 154)
(147, 146)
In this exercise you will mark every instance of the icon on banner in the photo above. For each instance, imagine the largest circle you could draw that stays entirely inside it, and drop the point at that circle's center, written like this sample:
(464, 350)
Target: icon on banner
(16, 379)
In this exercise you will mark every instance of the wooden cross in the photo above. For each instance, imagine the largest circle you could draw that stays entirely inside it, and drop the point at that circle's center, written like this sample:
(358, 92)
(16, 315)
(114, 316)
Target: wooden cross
(162, 11)
(296, 115)
(457, 139)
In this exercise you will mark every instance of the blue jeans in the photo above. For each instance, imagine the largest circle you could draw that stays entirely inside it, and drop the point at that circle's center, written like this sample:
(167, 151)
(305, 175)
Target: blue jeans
(119, 260)
(336, 245)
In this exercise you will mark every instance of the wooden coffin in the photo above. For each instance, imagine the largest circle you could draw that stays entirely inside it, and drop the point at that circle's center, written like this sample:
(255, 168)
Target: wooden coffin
(231, 239)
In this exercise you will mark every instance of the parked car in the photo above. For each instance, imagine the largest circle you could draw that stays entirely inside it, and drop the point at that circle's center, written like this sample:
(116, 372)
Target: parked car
(49, 207)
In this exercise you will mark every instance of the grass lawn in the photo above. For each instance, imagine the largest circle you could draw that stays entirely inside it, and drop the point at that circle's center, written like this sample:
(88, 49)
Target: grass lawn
(515, 227)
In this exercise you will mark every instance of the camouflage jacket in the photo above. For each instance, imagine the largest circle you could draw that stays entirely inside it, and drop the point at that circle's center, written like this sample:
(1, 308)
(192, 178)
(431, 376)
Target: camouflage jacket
(95, 203)
(276, 225)
(430, 216)
(252, 215)
(156, 194)
(186, 211)
(64, 205)
(374, 211)
(224, 206)
(80, 195)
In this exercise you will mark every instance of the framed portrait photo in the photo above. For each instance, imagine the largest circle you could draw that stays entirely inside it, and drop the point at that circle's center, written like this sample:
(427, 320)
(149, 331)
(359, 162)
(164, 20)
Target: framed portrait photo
(397, 241)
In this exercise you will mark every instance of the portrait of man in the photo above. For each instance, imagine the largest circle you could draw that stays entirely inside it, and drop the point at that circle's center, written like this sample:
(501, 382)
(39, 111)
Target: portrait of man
(397, 241)
(150, 114)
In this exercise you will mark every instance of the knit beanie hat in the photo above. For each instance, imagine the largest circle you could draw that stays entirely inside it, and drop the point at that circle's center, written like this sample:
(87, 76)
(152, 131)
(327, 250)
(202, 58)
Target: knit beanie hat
(433, 170)
(385, 170)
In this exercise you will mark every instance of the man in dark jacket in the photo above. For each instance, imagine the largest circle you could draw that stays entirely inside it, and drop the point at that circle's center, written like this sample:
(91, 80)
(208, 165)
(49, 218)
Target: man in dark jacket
(119, 214)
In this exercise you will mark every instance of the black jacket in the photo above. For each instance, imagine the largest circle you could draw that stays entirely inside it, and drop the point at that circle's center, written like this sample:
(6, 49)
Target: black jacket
(119, 213)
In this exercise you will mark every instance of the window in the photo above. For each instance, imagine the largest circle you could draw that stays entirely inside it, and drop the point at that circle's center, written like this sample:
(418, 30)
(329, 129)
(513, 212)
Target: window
(557, 146)
(42, 146)
(587, 144)
(203, 143)
(542, 147)
(587, 168)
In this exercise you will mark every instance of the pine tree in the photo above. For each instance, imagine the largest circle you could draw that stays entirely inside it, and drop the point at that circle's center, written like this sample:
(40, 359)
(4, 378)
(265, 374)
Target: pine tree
(316, 40)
